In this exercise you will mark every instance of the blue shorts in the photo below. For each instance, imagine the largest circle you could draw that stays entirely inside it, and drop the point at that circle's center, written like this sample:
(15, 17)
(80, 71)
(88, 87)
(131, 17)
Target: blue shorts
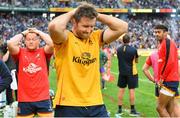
(171, 86)
(75, 111)
(28, 108)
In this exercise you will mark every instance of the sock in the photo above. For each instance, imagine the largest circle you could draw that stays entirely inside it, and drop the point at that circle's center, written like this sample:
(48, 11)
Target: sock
(132, 107)
(120, 108)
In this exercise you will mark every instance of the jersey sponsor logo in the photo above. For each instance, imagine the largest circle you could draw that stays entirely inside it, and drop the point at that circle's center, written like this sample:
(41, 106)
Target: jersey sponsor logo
(85, 59)
(32, 68)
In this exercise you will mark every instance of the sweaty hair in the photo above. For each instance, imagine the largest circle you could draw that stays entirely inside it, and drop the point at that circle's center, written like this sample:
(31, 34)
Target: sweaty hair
(126, 38)
(85, 10)
(162, 27)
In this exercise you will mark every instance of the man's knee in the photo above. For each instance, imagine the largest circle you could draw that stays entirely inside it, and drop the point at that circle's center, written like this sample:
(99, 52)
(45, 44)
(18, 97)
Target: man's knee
(159, 109)
(120, 96)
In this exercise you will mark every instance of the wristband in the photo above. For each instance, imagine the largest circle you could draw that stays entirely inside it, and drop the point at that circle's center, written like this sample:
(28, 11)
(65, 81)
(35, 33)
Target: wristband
(22, 34)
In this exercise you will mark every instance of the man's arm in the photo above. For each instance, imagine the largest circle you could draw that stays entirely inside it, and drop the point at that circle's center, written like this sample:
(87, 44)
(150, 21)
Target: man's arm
(147, 73)
(5, 77)
(5, 56)
(116, 27)
(136, 59)
(57, 27)
(13, 44)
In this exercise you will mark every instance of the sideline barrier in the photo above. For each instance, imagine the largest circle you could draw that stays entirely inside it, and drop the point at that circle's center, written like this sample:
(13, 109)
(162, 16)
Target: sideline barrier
(147, 52)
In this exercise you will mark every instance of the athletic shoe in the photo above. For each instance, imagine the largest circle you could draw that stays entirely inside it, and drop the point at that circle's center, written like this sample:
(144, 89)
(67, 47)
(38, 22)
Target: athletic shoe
(119, 113)
(134, 113)
(109, 113)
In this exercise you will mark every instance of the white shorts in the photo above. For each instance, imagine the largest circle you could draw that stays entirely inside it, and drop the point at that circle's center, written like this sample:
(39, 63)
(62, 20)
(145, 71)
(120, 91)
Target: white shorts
(167, 91)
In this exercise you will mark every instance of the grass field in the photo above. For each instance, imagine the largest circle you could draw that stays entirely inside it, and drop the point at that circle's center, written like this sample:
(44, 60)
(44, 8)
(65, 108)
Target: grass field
(145, 99)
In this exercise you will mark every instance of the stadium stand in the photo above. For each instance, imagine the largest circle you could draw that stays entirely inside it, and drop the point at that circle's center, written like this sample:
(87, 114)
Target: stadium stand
(152, 4)
(140, 24)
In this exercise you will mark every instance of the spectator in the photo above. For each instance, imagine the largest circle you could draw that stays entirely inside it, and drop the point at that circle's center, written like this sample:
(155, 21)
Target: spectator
(127, 57)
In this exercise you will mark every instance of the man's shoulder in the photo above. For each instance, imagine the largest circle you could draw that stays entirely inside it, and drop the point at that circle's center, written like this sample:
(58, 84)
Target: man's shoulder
(97, 32)
(132, 47)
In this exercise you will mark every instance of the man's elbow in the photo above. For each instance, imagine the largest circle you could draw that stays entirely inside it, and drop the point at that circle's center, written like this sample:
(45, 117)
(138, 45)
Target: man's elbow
(9, 80)
(144, 69)
(6, 83)
(10, 44)
(51, 27)
(126, 27)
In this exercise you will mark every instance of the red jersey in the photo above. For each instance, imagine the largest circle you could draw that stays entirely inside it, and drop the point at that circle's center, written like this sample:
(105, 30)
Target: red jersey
(33, 83)
(171, 70)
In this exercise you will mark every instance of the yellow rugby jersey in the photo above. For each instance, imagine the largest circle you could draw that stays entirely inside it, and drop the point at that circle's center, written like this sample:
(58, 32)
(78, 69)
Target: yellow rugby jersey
(77, 68)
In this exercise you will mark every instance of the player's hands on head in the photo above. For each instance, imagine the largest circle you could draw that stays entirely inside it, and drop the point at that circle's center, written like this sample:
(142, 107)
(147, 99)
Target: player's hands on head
(24, 33)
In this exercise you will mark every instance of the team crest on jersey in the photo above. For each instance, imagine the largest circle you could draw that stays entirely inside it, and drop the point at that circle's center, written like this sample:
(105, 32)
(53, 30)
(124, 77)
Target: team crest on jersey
(84, 59)
(86, 55)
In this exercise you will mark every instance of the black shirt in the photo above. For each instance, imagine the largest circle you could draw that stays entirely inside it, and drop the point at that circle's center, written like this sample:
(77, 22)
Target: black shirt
(126, 59)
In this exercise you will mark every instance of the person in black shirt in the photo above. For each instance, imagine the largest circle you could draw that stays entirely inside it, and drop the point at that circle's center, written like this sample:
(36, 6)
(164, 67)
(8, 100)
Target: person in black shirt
(127, 59)
(7, 59)
(5, 76)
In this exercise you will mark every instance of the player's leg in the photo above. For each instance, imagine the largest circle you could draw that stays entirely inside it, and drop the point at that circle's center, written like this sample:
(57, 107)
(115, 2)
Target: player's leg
(122, 83)
(102, 72)
(165, 100)
(25, 110)
(44, 108)
(162, 103)
(132, 84)
(170, 89)
(177, 107)
(120, 99)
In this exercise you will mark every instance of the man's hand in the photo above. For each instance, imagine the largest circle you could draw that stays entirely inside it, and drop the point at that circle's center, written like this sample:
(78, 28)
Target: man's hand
(160, 83)
(24, 33)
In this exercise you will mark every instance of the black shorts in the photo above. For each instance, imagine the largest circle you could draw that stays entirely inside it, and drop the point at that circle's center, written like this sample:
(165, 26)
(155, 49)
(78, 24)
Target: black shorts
(79, 111)
(130, 80)
(28, 108)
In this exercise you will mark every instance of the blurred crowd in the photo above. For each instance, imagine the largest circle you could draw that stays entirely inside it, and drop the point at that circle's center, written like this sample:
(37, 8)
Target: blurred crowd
(140, 26)
(153, 4)
(141, 30)
(11, 24)
(58, 3)
(97, 3)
